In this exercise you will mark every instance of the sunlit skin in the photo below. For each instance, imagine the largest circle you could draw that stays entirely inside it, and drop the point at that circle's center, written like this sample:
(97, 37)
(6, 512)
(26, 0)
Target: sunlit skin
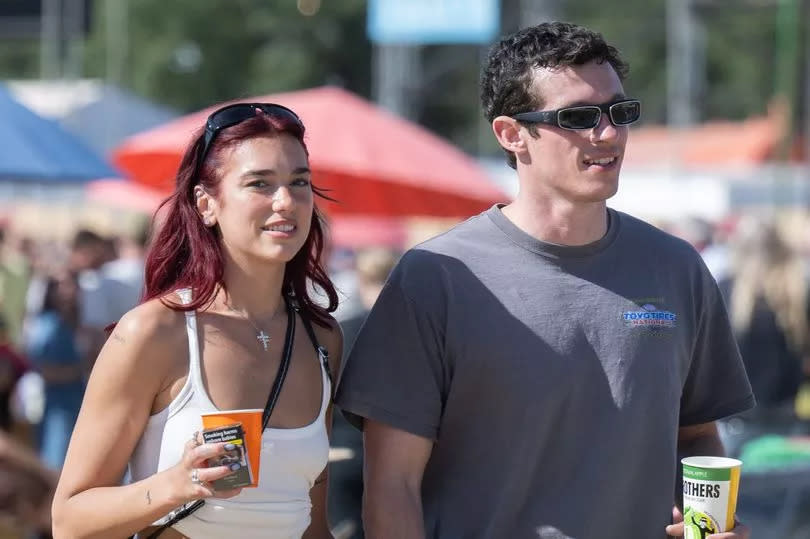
(557, 159)
(562, 193)
(264, 202)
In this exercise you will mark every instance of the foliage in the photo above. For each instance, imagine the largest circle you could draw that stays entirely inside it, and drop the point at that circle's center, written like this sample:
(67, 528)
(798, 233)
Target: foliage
(191, 53)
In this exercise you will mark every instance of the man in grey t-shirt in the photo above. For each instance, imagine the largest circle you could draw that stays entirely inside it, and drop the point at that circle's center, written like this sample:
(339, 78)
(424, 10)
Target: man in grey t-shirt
(538, 370)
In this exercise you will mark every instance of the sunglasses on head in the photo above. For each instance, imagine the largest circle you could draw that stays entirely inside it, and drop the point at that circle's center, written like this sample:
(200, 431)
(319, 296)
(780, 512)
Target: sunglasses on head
(237, 113)
(623, 112)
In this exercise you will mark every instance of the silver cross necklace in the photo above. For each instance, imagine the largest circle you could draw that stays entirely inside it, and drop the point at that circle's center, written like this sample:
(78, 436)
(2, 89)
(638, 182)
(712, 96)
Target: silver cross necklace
(261, 336)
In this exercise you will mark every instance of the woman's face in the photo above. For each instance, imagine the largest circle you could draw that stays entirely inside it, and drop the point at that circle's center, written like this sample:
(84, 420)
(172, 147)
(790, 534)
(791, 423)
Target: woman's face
(265, 201)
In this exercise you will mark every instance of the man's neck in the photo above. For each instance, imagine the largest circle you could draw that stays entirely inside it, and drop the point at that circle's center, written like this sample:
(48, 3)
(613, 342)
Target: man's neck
(559, 222)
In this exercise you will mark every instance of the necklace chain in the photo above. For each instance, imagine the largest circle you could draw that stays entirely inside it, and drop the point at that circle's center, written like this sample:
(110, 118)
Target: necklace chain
(261, 336)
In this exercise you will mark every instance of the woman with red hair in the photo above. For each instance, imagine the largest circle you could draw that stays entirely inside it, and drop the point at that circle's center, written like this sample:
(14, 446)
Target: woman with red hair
(230, 276)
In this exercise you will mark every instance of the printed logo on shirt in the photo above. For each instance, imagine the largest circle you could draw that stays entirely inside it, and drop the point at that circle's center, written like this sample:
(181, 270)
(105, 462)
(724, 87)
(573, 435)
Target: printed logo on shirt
(650, 317)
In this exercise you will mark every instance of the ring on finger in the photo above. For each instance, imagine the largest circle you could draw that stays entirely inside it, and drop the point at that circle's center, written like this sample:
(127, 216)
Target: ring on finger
(195, 476)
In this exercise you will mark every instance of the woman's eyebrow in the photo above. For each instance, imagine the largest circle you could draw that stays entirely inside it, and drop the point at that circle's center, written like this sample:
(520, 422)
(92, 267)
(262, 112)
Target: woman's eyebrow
(272, 172)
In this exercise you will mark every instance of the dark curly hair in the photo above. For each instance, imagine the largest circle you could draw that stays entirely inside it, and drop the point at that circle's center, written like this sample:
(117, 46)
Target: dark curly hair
(506, 79)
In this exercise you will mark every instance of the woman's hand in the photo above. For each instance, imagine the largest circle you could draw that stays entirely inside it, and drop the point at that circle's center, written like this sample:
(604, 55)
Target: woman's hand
(191, 478)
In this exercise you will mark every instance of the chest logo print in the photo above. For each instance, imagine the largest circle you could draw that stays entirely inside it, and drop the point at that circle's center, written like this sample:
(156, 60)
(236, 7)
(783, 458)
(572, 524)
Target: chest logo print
(650, 316)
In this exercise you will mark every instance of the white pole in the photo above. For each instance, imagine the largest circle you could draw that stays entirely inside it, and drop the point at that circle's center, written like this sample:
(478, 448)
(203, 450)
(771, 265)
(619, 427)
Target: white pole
(50, 47)
(680, 63)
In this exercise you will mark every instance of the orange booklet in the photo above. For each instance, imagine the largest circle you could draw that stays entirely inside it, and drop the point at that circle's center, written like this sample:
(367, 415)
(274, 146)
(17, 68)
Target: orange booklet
(233, 434)
(250, 423)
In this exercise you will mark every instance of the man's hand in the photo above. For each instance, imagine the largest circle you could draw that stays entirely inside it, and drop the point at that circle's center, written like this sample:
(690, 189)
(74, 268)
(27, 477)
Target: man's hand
(740, 531)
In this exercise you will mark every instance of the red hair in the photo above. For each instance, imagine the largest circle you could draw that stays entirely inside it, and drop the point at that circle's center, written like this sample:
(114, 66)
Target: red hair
(186, 254)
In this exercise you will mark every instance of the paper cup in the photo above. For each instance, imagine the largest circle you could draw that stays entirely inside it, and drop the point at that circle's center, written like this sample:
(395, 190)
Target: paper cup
(251, 421)
(710, 486)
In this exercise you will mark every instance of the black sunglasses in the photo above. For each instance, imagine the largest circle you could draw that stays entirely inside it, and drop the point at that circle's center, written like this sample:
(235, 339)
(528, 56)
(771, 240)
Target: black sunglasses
(622, 112)
(237, 113)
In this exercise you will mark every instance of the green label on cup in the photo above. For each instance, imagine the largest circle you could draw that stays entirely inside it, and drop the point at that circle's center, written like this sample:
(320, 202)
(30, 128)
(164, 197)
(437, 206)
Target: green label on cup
(706, 474)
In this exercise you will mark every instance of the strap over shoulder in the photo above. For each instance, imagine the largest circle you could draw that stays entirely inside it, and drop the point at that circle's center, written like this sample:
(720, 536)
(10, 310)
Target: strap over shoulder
(184, 294)
(323, 353)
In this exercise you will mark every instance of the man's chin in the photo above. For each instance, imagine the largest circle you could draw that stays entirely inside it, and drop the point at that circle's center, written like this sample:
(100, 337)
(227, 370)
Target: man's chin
(598, 194)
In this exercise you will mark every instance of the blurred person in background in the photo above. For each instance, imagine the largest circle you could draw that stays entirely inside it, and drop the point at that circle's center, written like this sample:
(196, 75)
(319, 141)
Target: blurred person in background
(12, 366)
(15, 270)
(48, 257)
(228, 299)
(53, 351)
(26, 491)
(126, 269)
(512, 364)
(89, 251)
(769, 305)
(702, 235)
(115, 287)
(342, 273)
(371, 268)
(372, 265)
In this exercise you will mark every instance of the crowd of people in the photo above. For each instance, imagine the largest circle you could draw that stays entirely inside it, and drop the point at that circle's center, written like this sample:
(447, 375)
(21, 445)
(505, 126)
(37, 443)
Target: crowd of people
(761, 262)
(483, 366)
(51, 295)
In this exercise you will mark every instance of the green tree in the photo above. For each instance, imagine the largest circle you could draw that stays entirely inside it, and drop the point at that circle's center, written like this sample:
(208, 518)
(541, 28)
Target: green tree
(737, 78)
(190, 53)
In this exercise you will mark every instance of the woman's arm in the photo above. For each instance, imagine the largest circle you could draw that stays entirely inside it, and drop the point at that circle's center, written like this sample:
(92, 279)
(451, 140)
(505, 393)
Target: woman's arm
(129, 373)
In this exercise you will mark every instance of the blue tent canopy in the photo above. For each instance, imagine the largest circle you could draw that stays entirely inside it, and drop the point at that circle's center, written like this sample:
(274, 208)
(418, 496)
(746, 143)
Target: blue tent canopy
(114, 116)
(33, 148)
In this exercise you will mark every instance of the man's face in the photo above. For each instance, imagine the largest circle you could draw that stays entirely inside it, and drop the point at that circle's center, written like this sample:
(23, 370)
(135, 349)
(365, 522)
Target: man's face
(578, 166)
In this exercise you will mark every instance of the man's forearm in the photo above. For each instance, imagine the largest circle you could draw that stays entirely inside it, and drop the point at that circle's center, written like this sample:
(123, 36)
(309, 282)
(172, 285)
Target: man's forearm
(707, 444)
(392, 513)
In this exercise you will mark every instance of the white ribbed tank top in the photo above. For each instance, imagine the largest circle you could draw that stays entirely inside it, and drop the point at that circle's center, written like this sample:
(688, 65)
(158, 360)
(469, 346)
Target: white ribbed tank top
(291, 460)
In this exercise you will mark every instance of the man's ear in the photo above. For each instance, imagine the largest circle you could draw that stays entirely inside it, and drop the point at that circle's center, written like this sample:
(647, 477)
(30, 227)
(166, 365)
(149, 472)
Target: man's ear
(508, 133)
(206, 206)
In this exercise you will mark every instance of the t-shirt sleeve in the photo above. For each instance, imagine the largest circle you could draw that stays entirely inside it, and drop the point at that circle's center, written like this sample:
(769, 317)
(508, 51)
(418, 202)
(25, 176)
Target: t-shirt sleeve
(717, 385)
(394, 373)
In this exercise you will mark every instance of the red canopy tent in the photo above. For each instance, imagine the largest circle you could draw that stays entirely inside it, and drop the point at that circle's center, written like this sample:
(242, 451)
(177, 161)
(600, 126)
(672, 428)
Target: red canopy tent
(373, 163)
(124, 194)
(358, 232)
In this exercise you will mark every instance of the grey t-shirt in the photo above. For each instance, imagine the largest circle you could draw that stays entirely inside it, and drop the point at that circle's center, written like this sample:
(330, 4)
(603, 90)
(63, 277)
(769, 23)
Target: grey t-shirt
(552, 379)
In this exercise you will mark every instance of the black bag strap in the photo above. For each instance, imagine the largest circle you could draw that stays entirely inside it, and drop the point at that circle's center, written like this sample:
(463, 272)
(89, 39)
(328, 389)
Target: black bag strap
(272, 399)
(323, 353)
(177, 516)
(281, 375)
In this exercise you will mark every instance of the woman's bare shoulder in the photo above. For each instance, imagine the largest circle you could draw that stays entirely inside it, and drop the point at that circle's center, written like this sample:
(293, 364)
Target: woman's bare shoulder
(139, 356)
(150, 330)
